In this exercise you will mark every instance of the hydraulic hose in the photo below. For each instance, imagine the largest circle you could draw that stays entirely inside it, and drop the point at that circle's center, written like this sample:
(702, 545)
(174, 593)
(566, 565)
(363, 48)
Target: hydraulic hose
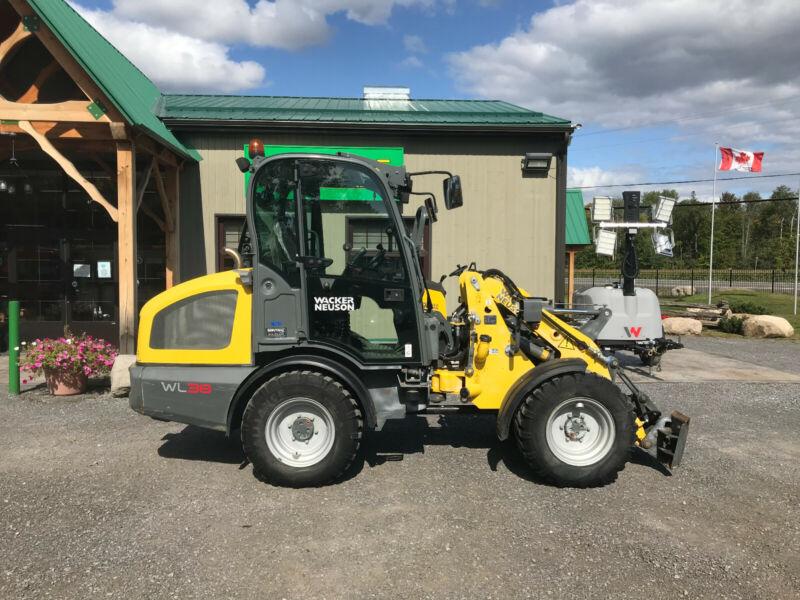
(505, 279)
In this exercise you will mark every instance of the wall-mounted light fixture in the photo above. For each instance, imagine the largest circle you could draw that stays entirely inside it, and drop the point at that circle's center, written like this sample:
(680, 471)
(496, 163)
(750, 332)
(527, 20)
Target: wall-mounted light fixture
(536, 162)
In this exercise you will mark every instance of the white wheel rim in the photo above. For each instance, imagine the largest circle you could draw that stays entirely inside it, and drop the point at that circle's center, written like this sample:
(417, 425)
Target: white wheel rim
(300, 432)
(580, 432)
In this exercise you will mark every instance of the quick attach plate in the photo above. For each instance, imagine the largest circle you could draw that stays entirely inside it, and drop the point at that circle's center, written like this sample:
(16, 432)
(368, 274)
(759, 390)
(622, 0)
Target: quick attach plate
(671, 440)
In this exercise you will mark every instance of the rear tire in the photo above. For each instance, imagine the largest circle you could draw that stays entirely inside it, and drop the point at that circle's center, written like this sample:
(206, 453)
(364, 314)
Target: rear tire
(300, 429)
(575, 430)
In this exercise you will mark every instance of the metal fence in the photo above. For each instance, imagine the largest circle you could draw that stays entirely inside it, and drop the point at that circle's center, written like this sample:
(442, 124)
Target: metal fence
(662, 281)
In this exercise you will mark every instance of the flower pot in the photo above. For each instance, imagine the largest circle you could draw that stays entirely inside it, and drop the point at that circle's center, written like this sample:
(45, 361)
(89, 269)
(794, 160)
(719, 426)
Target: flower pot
(65, 383)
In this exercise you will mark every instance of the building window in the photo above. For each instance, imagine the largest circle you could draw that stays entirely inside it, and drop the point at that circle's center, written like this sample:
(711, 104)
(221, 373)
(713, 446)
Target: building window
(367, 232)
(229, 228)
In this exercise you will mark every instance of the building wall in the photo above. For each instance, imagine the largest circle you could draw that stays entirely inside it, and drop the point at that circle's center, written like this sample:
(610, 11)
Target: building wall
(508, 220)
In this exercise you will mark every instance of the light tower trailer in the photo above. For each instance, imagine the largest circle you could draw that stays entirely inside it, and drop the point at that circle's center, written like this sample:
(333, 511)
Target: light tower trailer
(635, 320)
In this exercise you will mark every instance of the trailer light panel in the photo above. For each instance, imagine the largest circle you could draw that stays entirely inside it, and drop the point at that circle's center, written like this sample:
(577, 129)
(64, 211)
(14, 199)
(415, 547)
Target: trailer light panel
(601, 209)
(664, 209)
(662, 244)
(605, 242)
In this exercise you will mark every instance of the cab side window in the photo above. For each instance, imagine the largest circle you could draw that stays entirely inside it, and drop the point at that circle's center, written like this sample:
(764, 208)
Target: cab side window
(275, 216)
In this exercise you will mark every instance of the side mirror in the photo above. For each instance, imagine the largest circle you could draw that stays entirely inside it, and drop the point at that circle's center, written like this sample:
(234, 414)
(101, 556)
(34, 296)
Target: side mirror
(452, 192)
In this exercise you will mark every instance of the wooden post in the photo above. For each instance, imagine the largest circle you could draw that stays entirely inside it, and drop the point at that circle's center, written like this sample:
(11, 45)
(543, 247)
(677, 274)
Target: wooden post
(571, 283)
(172, 185)
(126, 261)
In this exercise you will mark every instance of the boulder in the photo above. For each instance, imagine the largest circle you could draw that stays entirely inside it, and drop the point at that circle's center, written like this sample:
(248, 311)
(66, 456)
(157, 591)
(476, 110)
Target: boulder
(121, 375)
(767, 326)
(682, 290)
(682, 326)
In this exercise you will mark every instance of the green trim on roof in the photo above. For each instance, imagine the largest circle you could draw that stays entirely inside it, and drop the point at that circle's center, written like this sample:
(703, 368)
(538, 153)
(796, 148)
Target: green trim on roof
(177, 107)
(131, 92)
(577, 233)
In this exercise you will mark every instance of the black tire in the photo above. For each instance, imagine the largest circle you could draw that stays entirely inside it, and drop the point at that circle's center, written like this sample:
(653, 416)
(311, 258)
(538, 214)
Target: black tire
(343, 413)
(532, 419)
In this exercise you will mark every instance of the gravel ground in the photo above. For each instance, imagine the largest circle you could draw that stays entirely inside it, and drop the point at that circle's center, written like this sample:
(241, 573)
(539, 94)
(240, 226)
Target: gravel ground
(99, 502)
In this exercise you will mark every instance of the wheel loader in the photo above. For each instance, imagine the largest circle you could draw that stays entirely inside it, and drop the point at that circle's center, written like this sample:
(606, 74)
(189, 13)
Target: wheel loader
(326, 328)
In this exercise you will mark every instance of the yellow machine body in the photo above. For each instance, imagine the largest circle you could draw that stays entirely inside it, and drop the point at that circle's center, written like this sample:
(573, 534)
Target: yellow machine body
(237, 350)
(492, 371)
(438, 302)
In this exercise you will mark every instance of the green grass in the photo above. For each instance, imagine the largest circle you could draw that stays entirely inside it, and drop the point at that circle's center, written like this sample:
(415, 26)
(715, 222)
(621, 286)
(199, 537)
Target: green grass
(780, 305)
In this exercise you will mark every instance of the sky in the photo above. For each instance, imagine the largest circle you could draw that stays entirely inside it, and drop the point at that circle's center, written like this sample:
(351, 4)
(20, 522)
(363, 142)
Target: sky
(654, 83)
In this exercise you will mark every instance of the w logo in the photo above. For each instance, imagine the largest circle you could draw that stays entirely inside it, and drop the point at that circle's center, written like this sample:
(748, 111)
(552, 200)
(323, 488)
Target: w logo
(633, 331)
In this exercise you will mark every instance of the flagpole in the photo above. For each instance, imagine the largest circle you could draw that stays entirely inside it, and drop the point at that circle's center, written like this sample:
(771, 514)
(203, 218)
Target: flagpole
(796, 247)
(713, 210)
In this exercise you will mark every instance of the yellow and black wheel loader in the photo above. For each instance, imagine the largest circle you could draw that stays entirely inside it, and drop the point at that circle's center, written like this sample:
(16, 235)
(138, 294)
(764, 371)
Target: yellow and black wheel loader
(326, 328)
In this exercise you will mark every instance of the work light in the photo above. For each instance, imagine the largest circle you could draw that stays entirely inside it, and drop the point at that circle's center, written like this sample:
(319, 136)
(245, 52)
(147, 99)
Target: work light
(536, 162)
(662, 244)
(601, 209)
(605, 242)
(664, 209)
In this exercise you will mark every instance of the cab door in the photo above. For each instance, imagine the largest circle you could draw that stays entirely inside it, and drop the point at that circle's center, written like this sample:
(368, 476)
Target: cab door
(278, 307)
(358, 290)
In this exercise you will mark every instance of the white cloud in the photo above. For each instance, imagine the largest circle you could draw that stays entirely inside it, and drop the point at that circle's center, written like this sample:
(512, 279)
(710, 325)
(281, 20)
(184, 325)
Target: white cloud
(285, 24)
(597, 178)
(411, 62)
(620, 63)
(414, 44)
(184, 45)
(174, 61)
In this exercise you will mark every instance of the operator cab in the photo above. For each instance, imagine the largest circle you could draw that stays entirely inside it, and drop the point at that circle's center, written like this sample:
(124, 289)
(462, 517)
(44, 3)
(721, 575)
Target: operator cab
(333, 260)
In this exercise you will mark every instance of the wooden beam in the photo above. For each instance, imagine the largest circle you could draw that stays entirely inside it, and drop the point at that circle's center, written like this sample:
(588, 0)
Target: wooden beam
(126, 259)
(164, 155)
(64, 131)
(143, 183)
(69, 110)
(172, 185)
(69, 168)
(66, 60)
(119, 131)
(162, 194)
(12, 42)
(32, 93)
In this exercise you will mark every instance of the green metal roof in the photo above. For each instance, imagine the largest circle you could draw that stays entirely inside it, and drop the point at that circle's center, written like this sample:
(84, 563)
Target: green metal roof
(177, 107)
(131, 92)
(577, 233)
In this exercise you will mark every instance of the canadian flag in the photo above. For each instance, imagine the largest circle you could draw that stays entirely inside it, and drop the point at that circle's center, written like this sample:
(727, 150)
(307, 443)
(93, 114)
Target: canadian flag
(740, 160)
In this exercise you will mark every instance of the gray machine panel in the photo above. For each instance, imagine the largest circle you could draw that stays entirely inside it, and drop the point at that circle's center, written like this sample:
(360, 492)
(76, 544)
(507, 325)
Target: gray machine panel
(633, 318)
(197, 395)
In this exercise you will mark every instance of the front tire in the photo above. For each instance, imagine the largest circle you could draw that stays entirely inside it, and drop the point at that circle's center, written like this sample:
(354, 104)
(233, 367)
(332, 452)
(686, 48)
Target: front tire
(300, 429)
(575, 430)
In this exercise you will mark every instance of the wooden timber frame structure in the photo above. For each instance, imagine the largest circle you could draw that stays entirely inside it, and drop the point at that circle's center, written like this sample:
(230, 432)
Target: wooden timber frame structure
(84, 119)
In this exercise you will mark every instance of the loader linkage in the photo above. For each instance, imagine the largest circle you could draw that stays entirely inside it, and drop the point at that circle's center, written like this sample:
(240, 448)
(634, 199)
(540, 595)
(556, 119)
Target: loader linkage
(666, 438)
